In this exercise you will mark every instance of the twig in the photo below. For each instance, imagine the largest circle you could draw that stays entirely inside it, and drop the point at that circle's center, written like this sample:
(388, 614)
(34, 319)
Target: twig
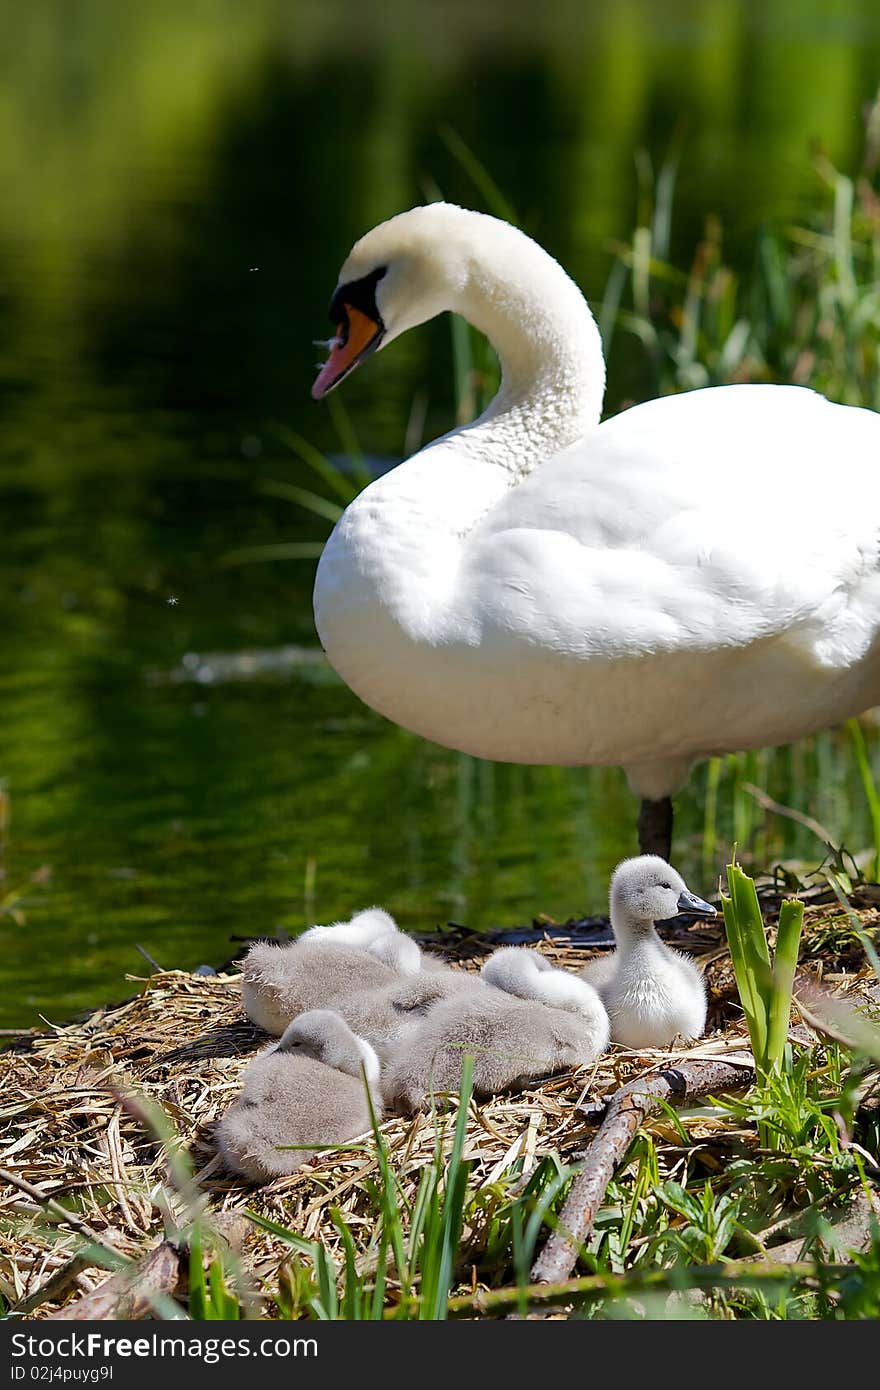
(131, 1293)
(56, 1285)
(629, 1107)
(768, 804)
(75, 1222)
(836, 1018)
(149, 959)
(730, 1274)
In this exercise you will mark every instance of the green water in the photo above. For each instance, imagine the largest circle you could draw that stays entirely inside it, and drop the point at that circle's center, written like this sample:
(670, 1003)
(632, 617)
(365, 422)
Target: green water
(180, 183)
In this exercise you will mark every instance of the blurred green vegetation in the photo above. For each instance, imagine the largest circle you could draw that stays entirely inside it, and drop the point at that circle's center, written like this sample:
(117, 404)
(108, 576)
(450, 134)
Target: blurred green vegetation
(181, 183)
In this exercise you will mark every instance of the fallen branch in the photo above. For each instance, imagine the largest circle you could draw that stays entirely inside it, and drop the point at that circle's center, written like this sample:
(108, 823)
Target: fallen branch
(131, 1293)
(627, 1110)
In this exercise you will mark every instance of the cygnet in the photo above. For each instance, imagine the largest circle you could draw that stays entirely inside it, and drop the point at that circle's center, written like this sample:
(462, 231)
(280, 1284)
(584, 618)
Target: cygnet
(653, 993)
(307, 1091)
(376, 931)
(513, 1034)
(279, 982)
(323, 965)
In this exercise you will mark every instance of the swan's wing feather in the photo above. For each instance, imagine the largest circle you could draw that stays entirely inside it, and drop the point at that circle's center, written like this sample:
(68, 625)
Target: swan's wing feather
(716, 518)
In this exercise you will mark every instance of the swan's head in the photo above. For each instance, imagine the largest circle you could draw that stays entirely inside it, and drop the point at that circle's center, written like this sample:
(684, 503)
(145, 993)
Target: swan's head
(648, 890)
(325, 1036)
(402, 273)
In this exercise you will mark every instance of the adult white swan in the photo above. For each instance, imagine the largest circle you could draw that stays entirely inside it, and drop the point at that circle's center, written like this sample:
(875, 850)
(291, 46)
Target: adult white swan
(696, 575)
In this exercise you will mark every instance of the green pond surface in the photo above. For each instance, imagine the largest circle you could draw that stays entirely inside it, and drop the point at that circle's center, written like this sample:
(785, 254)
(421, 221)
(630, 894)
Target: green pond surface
(180, 184)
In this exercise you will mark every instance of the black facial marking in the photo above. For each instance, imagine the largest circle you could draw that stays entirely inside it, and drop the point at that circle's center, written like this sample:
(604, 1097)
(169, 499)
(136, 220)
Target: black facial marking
(359, 294)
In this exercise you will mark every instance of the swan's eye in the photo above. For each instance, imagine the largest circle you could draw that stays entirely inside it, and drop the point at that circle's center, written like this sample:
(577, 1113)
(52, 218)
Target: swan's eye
(360, 295)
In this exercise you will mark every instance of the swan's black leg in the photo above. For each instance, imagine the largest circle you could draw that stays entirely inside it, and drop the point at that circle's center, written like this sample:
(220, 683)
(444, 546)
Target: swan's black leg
(655, 827)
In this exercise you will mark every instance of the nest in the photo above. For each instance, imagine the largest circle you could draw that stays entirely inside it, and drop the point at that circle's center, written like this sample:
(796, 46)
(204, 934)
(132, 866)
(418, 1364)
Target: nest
(72, 1129)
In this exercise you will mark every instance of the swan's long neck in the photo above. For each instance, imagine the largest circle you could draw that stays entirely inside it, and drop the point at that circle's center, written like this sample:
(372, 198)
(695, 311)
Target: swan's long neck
(553, 370)
(389, 573)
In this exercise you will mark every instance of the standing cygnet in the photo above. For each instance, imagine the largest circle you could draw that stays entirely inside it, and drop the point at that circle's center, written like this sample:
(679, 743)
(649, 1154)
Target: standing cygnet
(513, 1039)
(653, 994)
(307, 1091)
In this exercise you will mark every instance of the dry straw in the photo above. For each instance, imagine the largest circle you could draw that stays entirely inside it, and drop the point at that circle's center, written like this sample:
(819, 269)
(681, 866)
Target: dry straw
(73, 1141)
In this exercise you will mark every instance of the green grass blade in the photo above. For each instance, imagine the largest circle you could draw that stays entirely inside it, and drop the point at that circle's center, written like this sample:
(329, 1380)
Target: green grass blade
(325, 1271)
(788, 938)
(745, 897)
(421, 1210)
(740, 924)
(455, 1193)
(609, 310)
(198, 1294)
(352, 1296)
(284, 550)
(303, 497)
(710, 818)
(390, 1204)
(377, 1301)
(854, 729)
(329, 472)
(225, 1306)
(348, 438)
(495, 201)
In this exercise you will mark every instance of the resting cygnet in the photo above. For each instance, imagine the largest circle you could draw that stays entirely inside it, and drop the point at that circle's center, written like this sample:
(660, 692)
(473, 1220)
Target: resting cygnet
(308, 1089)
(376, 1001)
(322, 966)
(537, 1024)
(376, 931)
(653, 994)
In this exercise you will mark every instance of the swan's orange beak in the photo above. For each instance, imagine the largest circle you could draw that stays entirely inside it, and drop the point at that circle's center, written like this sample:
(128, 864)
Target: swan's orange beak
(356, 337)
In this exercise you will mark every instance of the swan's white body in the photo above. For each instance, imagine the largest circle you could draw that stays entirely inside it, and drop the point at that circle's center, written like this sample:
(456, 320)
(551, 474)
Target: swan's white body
(695, 575)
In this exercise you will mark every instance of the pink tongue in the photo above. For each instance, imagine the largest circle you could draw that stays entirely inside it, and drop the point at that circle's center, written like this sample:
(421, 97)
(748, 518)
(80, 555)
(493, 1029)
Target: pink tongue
(331, 369)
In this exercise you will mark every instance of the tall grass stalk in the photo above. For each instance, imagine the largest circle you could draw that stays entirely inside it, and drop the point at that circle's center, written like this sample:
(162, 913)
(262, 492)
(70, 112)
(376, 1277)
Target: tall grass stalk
(443, 1211)
(860, 751)
(765, 985)
(808, 314)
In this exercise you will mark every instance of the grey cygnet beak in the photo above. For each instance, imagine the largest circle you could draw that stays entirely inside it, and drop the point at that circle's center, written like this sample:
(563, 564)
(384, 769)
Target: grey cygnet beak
(689, 905)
